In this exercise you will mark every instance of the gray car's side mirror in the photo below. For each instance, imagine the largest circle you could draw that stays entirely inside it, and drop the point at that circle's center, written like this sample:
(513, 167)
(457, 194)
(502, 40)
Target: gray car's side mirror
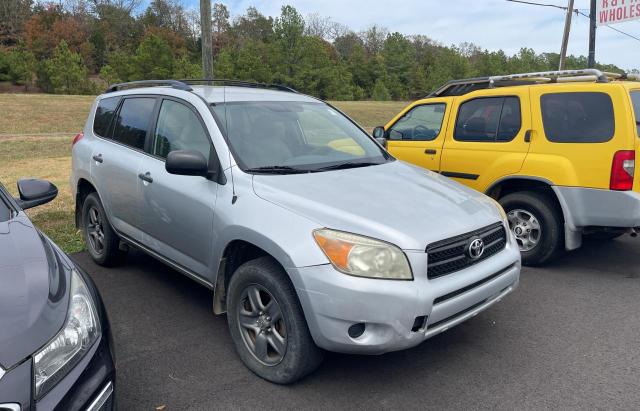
(34, 192)
(187, 163)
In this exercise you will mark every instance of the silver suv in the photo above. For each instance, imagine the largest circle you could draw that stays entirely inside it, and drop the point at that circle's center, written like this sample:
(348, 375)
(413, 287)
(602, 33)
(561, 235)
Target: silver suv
(310, 235)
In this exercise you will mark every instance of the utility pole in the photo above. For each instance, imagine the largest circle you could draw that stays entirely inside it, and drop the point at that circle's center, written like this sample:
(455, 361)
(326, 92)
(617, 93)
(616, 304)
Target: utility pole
(592, 34)
(565, 37)
(207, 46)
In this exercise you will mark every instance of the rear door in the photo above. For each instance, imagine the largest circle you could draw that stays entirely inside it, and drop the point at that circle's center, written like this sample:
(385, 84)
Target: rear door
(487, 137)
(178, 210)
(116, 161)
(418, 134)
(580, 128)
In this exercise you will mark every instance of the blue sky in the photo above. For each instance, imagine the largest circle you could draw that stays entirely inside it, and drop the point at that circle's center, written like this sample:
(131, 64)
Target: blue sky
(491, 24)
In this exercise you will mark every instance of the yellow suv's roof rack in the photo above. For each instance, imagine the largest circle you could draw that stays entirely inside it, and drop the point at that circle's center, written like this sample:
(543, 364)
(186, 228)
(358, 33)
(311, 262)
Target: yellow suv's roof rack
(464, 86)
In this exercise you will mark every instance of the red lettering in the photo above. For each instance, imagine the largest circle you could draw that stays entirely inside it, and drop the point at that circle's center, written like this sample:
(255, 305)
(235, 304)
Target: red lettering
(619, 12)
(604, 17)
(605, 4)
(612, 15)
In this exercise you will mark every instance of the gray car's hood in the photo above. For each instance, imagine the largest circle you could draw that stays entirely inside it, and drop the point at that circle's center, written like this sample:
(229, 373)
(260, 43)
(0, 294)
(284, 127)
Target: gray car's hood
(33, 291)
(396, 202)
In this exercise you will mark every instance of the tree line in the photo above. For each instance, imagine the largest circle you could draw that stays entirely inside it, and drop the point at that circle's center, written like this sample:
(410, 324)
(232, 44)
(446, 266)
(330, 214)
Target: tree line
(80, 46)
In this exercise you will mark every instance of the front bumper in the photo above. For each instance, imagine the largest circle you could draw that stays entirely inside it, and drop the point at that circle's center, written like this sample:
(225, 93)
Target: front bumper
(333, 302)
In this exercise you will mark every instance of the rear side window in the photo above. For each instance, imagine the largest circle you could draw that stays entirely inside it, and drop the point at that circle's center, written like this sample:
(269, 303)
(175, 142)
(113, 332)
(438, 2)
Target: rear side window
(104, 115)
(491, 119)
(577, 117)
(5, 211)
(132, 122)
(635, 97)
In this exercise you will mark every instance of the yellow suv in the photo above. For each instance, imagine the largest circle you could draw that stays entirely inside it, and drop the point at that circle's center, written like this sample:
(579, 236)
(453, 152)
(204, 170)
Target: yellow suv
(556, 149)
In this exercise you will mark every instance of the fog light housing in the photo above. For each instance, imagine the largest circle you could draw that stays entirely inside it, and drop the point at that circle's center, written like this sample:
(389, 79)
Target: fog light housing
(356, 330)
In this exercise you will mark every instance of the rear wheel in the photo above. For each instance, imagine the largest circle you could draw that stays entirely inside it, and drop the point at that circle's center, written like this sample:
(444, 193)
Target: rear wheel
(102, 242)
(537, 225)
(267, 324)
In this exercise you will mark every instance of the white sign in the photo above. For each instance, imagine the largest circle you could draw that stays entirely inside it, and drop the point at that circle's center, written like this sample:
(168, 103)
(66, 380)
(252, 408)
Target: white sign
(617, 11)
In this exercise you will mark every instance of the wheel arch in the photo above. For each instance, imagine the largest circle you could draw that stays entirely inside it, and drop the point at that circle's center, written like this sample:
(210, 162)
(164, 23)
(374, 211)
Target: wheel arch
(83, 188)
(237, 252)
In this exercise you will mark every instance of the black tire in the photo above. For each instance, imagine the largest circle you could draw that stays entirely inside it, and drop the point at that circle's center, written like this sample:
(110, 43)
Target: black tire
(542, 207)
(109, 254)
(603, 235)
(300, 356)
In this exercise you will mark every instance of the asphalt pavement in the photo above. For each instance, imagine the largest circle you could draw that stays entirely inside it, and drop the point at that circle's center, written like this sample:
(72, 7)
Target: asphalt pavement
(568, 338)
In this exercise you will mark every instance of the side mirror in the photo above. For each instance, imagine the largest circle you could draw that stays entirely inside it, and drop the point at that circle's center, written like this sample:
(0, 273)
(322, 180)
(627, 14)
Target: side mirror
(379, 132)
(187, 163)
(34, 192)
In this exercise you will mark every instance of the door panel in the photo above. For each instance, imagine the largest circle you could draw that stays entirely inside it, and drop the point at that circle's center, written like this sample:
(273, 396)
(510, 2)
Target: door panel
(487, 137)
(116, 161)
(179, 210)
(418, 134)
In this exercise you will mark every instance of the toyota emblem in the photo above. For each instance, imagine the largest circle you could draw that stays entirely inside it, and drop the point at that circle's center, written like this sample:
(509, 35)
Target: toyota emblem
(476, 248)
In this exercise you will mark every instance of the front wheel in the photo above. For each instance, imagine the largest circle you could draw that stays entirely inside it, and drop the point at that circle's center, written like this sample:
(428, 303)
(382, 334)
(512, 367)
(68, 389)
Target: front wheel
(267, 324)
(537, 225)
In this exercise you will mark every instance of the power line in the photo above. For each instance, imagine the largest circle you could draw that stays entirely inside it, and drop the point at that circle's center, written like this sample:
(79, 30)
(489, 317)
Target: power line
(577, 11)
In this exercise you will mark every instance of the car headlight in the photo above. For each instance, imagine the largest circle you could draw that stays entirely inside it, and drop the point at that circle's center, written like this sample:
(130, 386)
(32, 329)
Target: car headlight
(363, 256)
(78, 334)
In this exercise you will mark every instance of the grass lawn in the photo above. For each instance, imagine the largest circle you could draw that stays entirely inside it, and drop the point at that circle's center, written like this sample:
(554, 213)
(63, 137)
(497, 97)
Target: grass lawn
(35, 141)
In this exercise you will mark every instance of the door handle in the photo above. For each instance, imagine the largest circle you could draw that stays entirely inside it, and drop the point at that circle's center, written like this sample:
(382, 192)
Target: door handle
(146, 177)
(430, 151)
(527, 136)
(98, 158)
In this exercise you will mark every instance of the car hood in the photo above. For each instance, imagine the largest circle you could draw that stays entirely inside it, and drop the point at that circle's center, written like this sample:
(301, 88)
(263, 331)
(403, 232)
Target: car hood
(33, 291)
(395, 202)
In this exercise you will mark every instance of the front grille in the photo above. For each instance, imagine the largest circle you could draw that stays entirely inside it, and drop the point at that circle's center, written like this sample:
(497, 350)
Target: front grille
(450, 255)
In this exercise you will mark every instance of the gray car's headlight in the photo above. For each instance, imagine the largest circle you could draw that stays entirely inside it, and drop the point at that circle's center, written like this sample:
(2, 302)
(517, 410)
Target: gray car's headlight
(363, 256)
(78, 334)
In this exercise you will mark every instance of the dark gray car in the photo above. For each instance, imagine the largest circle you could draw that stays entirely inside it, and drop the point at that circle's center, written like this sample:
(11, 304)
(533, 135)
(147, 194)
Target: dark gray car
(55, 340)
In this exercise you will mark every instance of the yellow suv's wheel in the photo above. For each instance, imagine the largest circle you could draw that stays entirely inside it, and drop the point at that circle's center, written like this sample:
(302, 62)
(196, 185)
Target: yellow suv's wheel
(537, 225)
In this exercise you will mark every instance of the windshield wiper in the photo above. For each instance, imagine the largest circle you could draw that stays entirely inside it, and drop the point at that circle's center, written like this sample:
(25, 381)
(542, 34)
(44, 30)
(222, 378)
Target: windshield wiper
(276, 170)
(347, 164)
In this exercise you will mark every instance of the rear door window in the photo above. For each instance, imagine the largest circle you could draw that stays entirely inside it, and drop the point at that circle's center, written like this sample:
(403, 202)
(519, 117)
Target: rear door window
(635, 97)
(580, 117)
(491, 119)
(133, 121)
(5, 211)
(104, 114)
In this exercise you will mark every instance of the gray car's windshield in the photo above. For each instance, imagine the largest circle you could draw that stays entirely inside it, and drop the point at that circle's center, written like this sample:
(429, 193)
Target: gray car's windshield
(288, 137)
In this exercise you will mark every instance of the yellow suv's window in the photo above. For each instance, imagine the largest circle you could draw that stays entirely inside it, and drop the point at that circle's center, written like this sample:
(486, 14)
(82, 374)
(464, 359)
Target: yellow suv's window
(577, 117)
(490, 119)
(422, 123)
(635, 97)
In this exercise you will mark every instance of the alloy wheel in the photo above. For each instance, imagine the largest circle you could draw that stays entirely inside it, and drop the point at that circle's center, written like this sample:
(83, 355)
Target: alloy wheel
(526, 228)
(262, 325)
(95, 230)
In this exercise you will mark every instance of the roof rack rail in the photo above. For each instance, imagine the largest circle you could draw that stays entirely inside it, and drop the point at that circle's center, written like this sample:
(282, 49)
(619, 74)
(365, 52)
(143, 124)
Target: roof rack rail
(185, 84)
(238, 83)
(464, 86)
(149, 83)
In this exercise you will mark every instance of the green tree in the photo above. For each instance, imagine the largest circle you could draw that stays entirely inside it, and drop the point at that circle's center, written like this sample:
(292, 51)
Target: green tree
(153, 60)
(380, 91)
(66, 72)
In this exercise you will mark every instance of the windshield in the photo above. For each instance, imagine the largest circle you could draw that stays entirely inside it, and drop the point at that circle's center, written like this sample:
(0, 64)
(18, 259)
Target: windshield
(295, 137)
(635, 97)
